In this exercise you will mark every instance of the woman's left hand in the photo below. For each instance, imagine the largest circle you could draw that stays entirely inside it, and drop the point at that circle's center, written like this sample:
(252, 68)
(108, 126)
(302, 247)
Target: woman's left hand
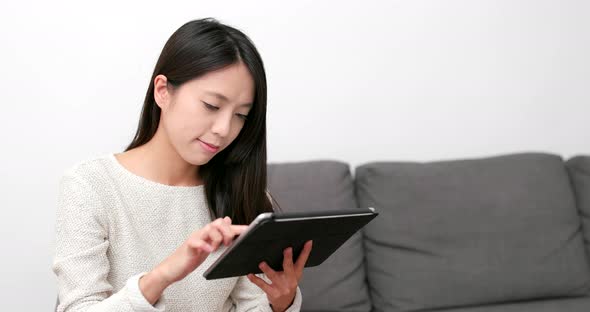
(281, 293)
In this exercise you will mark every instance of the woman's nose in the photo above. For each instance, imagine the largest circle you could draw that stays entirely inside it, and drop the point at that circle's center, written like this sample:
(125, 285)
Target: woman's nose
(222, 125)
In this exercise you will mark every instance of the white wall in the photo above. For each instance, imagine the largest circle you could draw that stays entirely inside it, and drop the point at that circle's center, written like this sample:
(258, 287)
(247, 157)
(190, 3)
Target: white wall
(370, 80)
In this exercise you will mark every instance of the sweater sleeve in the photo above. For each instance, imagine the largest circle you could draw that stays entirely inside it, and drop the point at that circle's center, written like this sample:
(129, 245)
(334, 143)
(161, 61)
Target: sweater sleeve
(80, 262)
(247, 296)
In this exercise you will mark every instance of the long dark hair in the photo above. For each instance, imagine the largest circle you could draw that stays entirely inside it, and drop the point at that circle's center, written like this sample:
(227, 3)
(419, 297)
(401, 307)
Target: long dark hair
(235, 179)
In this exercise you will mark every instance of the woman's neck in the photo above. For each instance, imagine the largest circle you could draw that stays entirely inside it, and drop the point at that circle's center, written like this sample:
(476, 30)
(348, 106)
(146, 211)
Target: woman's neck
(158, 161)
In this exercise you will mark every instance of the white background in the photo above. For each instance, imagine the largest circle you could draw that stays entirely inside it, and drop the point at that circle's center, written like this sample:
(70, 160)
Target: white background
(357, 82)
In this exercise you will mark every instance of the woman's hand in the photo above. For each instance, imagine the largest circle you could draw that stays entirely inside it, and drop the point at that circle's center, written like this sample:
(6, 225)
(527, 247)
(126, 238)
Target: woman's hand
(281, 292)
(197, 247)
(188, 256)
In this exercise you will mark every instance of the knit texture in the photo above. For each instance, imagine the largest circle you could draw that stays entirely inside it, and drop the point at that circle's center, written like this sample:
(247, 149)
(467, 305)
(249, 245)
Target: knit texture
(113, 226)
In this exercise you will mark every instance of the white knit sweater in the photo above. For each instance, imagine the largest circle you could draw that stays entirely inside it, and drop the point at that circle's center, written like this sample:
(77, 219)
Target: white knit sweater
(112, 226)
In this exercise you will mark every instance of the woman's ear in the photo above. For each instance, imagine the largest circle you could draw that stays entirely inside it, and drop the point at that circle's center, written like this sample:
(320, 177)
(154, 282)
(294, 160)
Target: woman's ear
(161, 92)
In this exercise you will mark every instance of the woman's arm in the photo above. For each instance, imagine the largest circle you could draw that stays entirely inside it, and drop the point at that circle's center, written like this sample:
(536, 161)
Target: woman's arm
(152, 286)
(80, 263)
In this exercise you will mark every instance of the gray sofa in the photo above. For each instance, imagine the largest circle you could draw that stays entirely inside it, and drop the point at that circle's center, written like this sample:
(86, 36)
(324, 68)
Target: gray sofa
(503, 233)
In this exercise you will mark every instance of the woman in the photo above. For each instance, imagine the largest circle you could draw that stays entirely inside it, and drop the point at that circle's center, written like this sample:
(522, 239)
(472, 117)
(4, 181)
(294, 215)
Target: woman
(136, 230)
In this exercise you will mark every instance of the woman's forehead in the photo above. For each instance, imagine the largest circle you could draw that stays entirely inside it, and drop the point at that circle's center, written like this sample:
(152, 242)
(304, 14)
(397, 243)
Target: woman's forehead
(232, 84)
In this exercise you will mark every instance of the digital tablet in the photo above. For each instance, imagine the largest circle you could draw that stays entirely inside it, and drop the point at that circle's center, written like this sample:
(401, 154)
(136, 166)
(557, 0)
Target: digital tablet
(270, 234)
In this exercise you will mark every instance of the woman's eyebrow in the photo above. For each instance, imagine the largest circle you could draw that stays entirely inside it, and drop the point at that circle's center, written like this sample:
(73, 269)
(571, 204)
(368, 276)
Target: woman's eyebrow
(218, 95)
(224, 98)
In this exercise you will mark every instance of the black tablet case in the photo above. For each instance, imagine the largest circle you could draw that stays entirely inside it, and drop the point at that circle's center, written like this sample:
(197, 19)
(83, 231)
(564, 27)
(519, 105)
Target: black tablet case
(267, 241)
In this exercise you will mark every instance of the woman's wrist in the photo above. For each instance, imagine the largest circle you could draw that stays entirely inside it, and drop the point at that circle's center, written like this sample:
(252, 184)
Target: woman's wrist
(152, 285)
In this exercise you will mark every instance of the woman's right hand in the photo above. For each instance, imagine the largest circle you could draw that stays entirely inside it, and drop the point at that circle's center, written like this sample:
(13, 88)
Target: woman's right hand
(188, 256)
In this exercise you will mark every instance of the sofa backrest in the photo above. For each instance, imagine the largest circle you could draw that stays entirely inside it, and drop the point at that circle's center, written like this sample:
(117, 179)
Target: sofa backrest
(471, 232)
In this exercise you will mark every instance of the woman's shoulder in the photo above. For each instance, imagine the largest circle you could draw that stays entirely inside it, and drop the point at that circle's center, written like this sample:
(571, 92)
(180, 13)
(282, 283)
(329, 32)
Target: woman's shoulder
(90, 170)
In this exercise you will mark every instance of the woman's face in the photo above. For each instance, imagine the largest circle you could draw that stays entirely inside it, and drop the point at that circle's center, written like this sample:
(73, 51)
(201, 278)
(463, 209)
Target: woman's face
(203, 116)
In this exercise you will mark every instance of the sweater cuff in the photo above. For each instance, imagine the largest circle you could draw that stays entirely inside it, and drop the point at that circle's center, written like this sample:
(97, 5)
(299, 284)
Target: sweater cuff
(138, 301)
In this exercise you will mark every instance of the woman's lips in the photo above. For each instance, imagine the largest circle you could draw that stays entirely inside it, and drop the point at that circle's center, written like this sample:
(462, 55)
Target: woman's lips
(208, 147)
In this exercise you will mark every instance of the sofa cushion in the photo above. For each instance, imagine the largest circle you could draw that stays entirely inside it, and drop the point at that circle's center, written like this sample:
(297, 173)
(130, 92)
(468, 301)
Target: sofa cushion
(579, 170)
(476, 231)
(551, 305)
(338, 284)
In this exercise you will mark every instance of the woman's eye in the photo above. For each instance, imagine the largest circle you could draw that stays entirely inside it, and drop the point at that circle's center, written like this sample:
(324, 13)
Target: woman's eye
(243, 117)
(210, 107)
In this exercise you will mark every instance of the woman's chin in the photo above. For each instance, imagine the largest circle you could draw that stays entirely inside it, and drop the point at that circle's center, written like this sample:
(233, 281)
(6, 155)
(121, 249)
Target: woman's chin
(197, 158)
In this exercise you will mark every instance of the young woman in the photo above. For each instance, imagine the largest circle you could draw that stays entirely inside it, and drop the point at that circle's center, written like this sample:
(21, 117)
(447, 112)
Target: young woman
(136, 230)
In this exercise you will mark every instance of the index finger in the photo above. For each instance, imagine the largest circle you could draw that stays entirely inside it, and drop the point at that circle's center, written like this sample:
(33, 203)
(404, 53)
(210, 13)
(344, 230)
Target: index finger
(238, 229)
